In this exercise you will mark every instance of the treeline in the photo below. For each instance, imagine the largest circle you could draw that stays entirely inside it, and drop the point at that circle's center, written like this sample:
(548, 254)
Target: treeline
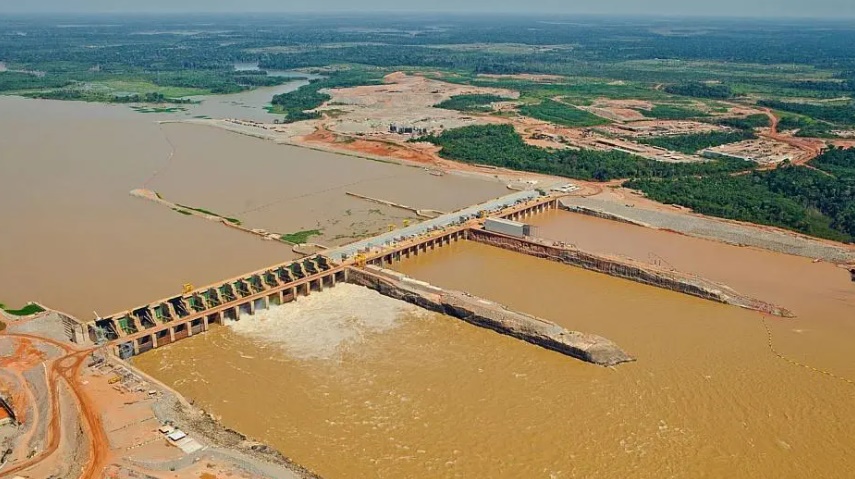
(294, 104)
(793, 197)
(15, 81)
(500, 145)
(807, 127)
(79, 94)
(471, 103)
(701, 90)
(695, 142)
(749, 122)
(840, 114)
(671, 112)
(217, 82)
(561, 114)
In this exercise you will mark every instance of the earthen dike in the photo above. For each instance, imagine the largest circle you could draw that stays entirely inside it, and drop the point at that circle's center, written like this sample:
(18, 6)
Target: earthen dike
(171, 319)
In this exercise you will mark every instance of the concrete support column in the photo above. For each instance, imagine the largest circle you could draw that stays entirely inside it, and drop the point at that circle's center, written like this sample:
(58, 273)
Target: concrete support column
(171, 334)
(332, 279)
(205, 323)
(189, 328)
(294, 293)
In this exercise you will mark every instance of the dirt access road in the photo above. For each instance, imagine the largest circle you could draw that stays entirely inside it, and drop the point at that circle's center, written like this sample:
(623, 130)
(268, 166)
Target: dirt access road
(810, 147)
(66, 368)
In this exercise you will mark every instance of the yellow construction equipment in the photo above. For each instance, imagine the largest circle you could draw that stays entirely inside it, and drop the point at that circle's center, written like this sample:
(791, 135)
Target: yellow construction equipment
(391, 227)
(187, 288)
(114, 380)
(360, 260)
(406, 223)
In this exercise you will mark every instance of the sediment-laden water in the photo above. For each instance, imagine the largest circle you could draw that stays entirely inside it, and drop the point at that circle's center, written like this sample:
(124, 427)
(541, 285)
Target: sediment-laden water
(430, 396)
(73, 238)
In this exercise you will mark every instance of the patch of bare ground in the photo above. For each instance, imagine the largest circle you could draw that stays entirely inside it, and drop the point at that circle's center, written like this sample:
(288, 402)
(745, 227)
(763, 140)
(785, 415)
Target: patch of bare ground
(843, 143)
(618, 110)
(403, 100)
(525, 76)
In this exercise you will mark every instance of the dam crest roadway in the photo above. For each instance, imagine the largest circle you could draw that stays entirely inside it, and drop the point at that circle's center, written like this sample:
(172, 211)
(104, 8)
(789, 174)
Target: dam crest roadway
(171, 319)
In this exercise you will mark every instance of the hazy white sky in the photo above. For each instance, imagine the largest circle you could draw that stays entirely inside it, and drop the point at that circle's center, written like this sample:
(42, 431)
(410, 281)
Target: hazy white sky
(772, 8)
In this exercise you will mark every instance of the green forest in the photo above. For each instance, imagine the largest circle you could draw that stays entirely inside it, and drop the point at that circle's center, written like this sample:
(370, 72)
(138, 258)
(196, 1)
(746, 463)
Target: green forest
(671, 112)
(693, 143)
(500, 145)
(561, 114)
(701, 90)
(840, 114)
(817, 203)
(294, 104)
(471, 103)
(749, 122)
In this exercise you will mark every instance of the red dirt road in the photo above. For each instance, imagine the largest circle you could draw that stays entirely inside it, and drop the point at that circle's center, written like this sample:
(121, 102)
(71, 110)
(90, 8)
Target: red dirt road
(67, 368)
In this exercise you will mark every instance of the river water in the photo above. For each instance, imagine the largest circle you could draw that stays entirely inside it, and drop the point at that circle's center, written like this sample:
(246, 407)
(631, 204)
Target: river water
(73, 238)
(431, 396)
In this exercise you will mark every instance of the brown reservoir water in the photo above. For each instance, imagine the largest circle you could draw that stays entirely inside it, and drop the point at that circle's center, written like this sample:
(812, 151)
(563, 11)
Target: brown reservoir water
(435, 397)
(73, 238)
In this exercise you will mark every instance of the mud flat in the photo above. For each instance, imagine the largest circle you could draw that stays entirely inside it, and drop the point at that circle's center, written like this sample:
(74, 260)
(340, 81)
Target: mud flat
(284, 189)
(587, 347)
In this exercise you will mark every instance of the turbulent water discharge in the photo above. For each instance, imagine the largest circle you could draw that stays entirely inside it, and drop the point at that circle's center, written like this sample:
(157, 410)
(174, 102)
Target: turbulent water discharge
(395, 394)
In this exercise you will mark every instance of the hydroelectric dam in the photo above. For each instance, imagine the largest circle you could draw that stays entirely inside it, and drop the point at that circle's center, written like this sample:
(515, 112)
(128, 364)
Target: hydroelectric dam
(171, 319)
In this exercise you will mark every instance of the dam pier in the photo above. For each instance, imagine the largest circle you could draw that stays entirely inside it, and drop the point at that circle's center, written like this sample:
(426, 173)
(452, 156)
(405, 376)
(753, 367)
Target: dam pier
(171, 319)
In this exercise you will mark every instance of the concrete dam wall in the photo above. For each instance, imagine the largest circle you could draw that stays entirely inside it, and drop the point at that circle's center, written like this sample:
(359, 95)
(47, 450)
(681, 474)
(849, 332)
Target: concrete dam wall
(587, 347)
(627, 269)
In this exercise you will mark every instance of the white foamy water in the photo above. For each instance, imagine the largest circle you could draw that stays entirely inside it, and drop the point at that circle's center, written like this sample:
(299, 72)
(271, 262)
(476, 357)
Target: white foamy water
(322, 325)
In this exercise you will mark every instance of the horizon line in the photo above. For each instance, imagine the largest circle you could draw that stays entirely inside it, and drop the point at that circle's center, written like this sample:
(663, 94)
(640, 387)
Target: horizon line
(499, 13)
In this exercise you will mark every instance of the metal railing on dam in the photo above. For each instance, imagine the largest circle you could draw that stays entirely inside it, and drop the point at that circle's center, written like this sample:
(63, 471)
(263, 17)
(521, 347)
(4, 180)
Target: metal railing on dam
(495, 207)
(170, 319)
(174, 318)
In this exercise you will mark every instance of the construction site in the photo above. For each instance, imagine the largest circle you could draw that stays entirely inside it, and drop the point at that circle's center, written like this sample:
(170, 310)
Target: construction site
(104, 344)
(357, 226)
(762, 151)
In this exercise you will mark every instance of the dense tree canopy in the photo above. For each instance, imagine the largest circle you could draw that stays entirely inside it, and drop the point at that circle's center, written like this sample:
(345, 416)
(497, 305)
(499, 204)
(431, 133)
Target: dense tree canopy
(500, 145)
(695, 142)
(818, 203)
(701, 90)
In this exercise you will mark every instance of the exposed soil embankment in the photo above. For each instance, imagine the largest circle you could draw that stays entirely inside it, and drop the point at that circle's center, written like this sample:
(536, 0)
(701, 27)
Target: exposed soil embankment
(587, 347)
(628, 269)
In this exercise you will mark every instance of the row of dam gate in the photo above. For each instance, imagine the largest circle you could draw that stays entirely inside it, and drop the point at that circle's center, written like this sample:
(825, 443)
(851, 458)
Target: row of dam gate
(171, 319)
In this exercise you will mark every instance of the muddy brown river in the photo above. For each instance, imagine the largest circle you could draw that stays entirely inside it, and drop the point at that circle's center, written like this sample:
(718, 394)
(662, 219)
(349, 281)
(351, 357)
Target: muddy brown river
(73, 238)
(424, 395)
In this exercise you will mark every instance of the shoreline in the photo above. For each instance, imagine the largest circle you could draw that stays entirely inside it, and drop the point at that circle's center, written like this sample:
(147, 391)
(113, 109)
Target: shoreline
(591, 192)
(220, 439)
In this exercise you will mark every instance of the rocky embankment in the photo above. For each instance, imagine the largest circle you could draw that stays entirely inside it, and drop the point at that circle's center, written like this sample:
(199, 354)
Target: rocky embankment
(587, 347)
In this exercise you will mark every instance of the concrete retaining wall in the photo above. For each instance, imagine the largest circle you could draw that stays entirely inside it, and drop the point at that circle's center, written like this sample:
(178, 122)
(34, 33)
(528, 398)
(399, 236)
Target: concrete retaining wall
(601, 214)
(587, 347)
(627, 269)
